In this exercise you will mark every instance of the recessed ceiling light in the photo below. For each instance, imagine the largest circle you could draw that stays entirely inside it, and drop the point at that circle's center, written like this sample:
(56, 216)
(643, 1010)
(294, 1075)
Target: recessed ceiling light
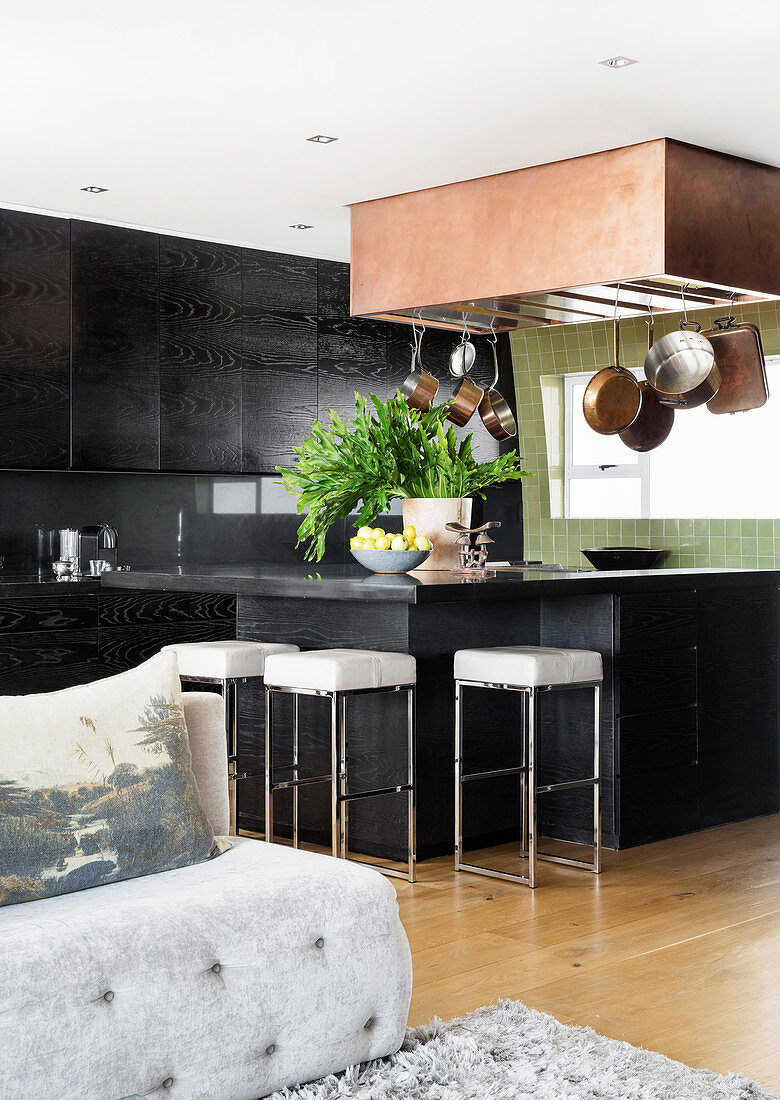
(94, 190)
(300, 225)
(618, 62)
(322, 139)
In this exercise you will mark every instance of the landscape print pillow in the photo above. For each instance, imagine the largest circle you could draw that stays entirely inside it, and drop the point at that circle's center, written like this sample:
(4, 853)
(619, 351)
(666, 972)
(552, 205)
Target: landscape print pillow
(96, 785)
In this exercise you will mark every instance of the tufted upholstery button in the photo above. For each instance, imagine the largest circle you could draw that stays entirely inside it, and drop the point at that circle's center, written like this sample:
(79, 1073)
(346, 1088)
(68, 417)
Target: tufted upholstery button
(270, 1049)
(320, 942)
(167, 1082)
(216, 968)
(369, 1023)
(108, 995)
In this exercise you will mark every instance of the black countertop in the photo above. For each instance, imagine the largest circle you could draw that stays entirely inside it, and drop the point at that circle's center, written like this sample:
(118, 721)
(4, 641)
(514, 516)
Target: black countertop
(425, 586)
(30, 584)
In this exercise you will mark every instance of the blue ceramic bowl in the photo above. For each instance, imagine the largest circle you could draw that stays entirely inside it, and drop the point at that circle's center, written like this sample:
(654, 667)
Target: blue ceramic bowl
(391, 561)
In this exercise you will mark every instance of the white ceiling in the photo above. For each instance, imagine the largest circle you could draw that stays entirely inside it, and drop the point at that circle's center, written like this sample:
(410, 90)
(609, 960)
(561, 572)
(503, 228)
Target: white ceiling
(195, 112)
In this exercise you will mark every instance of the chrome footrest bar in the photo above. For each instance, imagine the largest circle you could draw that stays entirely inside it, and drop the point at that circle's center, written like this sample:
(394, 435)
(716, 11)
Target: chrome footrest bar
(292, 784)
(521, 770)
(567, 786)
(582, 863)
(400, 789)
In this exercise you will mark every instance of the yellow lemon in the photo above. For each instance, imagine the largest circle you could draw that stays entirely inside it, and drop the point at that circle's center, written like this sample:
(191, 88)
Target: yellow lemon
(364, 533)
(422, 543)
(356, 543)
(399, 543)
(377, 533)
(410, 533)
(382, 543)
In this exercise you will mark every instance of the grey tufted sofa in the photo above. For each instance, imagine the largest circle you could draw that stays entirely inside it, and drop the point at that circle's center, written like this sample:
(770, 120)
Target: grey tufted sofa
(262, 968)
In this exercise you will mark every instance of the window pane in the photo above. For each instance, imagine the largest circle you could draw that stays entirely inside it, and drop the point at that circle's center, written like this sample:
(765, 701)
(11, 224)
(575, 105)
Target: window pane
(719, 465)
(588, 447)
(604, 498)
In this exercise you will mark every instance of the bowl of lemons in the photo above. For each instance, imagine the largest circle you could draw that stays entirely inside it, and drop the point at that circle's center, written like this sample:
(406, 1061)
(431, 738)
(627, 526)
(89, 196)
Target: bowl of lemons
(385, 552)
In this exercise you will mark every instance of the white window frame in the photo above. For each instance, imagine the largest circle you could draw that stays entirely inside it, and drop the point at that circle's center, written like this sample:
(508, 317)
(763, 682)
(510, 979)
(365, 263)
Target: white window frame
(634, 470)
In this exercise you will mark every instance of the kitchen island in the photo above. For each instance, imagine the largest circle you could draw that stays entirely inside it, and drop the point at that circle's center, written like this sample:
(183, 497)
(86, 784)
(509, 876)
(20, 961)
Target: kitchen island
(690, 699)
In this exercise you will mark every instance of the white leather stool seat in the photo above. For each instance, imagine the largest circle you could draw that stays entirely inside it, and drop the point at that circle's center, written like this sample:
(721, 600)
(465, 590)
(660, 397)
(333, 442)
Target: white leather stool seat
(227, 660)
(340, 670)
(528, 666)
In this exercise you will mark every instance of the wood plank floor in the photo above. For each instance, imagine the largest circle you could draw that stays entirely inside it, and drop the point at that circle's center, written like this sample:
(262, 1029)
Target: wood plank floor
(675, 947)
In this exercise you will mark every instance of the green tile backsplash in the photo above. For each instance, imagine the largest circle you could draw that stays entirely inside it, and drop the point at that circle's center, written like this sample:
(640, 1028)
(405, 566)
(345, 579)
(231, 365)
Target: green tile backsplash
(562, 349)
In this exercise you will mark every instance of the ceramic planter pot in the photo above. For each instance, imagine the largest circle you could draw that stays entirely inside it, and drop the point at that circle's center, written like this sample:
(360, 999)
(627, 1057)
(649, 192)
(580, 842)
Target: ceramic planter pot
(428, 515)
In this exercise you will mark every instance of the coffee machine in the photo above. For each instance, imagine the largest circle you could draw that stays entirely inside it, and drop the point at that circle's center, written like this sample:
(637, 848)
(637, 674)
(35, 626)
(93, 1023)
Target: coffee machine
(97, 543)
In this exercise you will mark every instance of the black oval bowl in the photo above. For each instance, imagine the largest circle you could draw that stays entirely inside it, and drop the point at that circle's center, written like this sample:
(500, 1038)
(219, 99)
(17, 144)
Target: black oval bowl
(622, 557)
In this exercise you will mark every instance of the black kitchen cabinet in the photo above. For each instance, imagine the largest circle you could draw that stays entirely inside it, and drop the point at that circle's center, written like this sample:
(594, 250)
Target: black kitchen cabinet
(58, 640)
(200, 356)
(34, 341)
(279, 367)
(115, 348)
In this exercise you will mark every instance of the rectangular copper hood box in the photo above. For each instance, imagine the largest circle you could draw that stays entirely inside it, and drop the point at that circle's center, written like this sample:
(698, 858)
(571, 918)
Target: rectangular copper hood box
(559, 243)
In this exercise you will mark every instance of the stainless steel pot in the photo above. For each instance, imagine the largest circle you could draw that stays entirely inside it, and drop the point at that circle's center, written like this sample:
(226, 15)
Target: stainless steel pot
(682, 362)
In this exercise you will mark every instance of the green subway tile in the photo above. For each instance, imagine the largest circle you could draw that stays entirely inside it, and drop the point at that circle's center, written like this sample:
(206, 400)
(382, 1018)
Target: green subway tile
(717, 527)
(733, 527)
(765, 528)
(766, 547)
(747, 527)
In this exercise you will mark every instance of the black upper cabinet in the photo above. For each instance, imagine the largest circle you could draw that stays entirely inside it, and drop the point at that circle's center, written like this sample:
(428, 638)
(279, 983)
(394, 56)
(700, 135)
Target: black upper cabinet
(115, 348)
(34, 340)
(279, 365)
(200, 356)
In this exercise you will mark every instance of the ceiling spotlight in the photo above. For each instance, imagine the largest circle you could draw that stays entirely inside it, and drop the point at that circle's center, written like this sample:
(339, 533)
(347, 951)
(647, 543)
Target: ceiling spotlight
(618, 62)
(322, 139)
(300, 225)
(95, 190)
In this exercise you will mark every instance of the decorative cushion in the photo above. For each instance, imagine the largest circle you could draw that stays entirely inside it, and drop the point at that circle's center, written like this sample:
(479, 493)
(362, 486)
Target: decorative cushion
(96, 785)
(527, 666)
(225, 660)
(340, 669)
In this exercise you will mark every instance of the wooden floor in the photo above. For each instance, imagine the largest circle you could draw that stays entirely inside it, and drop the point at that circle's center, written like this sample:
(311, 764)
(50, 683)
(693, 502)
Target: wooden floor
(675, 947)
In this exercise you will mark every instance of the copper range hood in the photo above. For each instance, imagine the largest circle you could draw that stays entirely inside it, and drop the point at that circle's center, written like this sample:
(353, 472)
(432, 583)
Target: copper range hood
(560, 243)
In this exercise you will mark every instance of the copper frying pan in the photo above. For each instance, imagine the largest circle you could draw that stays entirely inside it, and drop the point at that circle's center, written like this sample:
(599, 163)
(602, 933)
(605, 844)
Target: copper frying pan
(654, 420)
(612, 398)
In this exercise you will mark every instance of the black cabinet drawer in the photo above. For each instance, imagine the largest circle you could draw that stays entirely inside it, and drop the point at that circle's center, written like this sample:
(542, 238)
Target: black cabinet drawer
(662, 680)
(47, 660)
(140, 608)
(657, 805)
(122, 648)
(665, 620)
(42, 613)
(646, 742)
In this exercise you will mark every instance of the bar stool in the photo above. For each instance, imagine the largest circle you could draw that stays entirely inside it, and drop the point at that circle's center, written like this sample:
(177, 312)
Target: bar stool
(531, 670)
(339, 675)
(227, 664)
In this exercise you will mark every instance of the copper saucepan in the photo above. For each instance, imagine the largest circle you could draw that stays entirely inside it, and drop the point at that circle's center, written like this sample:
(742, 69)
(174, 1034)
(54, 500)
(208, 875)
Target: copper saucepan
(419, 387)
(611, 400)
(495, 412)
(466, 398)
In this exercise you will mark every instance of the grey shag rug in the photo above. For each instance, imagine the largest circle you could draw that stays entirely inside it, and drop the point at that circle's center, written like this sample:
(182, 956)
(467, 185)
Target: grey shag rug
(507, 1051)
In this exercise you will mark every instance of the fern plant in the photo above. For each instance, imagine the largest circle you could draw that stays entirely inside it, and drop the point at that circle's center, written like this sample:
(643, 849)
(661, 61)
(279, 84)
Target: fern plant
(387, 451)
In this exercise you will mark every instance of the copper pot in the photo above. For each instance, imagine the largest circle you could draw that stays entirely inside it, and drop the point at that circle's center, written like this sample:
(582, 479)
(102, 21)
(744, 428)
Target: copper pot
(494, 410)
(611, 400)
(465, 402)
(419, 387)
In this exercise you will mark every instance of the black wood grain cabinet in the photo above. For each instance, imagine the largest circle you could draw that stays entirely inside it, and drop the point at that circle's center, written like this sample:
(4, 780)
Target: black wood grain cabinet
(116, 348)
(58, 640)
(200, 356)
(34, 341)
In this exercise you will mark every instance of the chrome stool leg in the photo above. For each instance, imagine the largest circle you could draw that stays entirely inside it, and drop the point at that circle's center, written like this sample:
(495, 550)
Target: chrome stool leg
(269, 785)
(530, 784)
(345, 796)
